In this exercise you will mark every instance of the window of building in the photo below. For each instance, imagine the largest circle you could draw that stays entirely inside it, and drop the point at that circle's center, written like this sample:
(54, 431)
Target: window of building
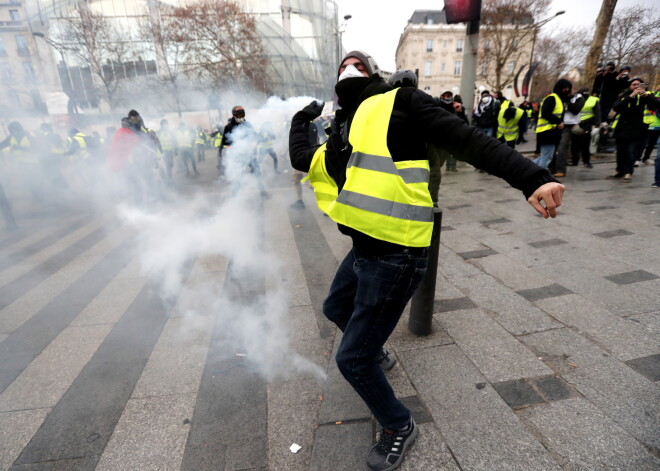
(484, 68)
(459, 45)
(13, 15)
(3, 51)
(29, 71)
(21, 46)
(15, 100)
(457, 67)
(442, 67)
(487, 44)
(429, 45)
(512, 66)
(429, 20)
(427, 89)
(428, 68)
(14, 1)
(444, 43)
(5, 73)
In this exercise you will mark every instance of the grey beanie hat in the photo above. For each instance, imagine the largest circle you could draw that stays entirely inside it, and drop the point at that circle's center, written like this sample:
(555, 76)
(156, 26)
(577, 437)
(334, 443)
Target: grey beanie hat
(365, 58)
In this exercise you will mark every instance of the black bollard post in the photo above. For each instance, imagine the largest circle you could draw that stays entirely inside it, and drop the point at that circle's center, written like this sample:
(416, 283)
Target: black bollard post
(5, 208)
(421, 307)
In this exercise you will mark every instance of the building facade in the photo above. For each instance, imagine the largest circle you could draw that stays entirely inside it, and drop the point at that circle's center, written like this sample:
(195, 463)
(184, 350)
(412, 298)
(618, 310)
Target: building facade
(435, 50)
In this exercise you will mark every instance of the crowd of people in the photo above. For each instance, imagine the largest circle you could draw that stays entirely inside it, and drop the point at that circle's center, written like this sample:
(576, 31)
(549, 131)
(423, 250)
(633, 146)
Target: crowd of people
(145, 161)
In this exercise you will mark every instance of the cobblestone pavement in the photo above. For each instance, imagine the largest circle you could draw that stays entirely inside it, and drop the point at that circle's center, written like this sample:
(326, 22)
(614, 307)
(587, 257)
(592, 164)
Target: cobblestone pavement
(545, 351)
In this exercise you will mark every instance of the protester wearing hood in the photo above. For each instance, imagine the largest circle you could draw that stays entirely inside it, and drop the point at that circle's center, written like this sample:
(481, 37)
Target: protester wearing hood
(484, 116)
(589, 119)
(371, 178)
(630, 126)
(551, 121)
(572, 109)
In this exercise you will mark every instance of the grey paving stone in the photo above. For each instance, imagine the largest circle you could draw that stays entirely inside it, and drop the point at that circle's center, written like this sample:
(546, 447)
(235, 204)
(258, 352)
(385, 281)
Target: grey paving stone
(292, 409)
(477, 253)
(648, 366)
(544, 292)
(601, 208)
(493, 222)
(624, 395)
(446, 229)
(623, 338)
(497, 354)
(478, 190)
(447, 382)
(583, 438)
(510, 272)
(517, 393)
(649, 202)
(541, 244)
(418, 409)
(507, 200)
(615, 233)
(340, 401)
(150, 435)
(403, 340)
(599, 190)
(43, 383)
(631, 277)
(552, 388)
(16, 430)
(510, 310)
(458, 206)
(75, 464)
(460, 241)
(429, 452)
(342, 447)
(451, 265)
(447, 305)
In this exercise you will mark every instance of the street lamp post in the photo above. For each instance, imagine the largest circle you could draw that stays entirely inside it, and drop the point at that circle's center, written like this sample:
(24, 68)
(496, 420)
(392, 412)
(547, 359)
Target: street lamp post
(536, 27)
(340, 30)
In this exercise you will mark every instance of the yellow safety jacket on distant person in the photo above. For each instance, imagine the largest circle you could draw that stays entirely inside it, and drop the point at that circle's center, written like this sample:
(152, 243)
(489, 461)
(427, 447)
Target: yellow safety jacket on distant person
(381, 198)
(22, 150)
(82, 152)
(543, 124)
(508, 129)
(588, 108)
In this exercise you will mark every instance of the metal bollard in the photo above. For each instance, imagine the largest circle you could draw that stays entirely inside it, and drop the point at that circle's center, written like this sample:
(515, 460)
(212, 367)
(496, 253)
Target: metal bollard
(421, 307)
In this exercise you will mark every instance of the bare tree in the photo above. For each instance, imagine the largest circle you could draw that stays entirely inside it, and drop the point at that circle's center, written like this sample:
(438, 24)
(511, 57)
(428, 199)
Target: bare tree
(221, 43)
(158, 29)
(507, 33)
(602, 26)
(96, 42)
(633, 39)
(558, 55)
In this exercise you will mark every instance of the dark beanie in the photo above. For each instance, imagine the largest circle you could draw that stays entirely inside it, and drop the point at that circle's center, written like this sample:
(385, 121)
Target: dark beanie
(366, 59)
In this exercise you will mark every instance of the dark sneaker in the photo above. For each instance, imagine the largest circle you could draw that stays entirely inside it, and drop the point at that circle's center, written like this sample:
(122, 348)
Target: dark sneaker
(388, 452)
(588, 166)
(385, 360)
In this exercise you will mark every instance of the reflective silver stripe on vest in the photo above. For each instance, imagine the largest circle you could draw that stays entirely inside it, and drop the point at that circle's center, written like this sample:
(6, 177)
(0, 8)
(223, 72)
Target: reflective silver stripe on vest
(408, 212)
(386, 165)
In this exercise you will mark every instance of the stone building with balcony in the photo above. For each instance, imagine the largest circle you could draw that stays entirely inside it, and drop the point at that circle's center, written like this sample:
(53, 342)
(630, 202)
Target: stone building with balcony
(435, 50)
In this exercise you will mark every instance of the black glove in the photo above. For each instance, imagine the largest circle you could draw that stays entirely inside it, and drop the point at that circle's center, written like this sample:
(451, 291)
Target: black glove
(313, 110)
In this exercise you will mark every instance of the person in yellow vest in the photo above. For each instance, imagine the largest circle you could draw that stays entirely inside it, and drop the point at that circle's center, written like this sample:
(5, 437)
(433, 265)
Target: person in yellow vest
(371, 178)
(200, 143)
(652, 132)
(78, 147)
(630, 127)
(509, 123)
(168, 143)
(589, 119)
(265, 145)
(216, 136)
(185, 139)
(551, 122)
(24, 166)
(51, 148)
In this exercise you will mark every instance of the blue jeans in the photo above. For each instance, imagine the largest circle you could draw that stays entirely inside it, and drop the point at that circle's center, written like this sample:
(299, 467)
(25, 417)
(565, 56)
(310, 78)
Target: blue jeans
(547, 152)
(366, 300)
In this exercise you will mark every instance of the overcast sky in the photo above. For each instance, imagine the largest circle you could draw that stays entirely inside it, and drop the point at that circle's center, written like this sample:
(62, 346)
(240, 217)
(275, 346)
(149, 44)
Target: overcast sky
(375, 25)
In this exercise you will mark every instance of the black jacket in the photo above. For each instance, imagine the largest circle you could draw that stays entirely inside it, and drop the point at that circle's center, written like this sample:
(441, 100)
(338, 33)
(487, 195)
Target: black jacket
(226, 134)
(417, 120)
(631, 114)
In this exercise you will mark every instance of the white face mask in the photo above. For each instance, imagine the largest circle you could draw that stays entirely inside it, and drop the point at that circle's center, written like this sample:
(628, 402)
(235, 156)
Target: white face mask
(349, 72)
(239, 120)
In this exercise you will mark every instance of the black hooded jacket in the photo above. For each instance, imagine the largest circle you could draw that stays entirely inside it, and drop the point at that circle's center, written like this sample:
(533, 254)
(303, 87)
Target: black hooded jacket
(416, 120)
(552, 136)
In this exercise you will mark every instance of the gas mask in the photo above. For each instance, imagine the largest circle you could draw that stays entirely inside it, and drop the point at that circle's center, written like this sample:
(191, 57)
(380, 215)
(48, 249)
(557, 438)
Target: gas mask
(239, 120)
(349, 72)
(447, 101)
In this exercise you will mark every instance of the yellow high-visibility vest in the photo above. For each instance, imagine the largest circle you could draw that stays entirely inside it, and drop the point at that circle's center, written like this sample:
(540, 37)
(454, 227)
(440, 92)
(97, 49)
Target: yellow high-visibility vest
(381, 198)
(22, 150)
(82, 152)
(325, 187)
(200, 138)
(588, 108)
(166, 138)
(508, 129)
(183, 138)
(543, 124)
